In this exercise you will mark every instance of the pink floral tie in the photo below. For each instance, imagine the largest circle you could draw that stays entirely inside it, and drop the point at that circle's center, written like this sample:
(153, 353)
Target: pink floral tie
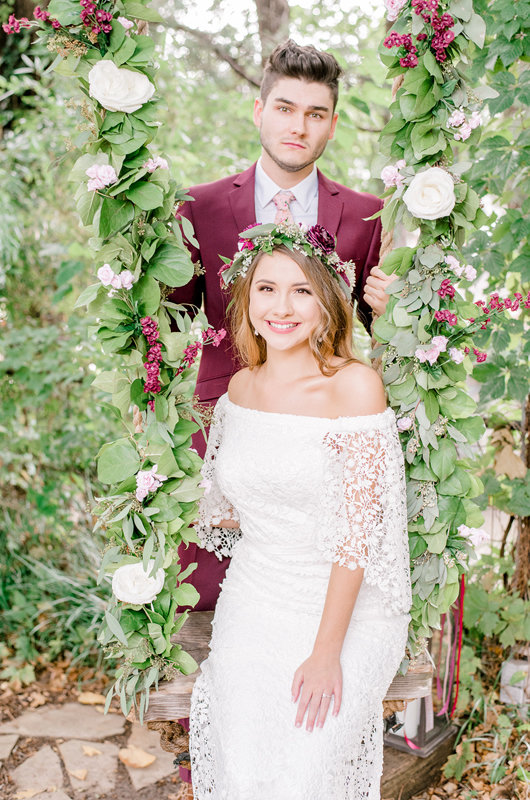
(282, 201)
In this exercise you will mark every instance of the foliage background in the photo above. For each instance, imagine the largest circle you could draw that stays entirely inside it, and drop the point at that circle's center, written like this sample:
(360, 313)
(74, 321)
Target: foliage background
(52, 423)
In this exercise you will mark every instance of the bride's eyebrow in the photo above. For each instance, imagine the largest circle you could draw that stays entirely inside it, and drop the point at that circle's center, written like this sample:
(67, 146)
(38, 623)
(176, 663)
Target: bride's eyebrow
(273, 283)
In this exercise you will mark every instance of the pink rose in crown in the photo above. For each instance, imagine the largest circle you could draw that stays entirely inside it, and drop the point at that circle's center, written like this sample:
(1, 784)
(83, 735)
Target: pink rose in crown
(101, 175)
(319, 237)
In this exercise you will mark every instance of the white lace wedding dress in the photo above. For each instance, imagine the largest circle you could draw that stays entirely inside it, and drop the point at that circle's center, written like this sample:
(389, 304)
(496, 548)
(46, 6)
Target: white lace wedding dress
(307, 491)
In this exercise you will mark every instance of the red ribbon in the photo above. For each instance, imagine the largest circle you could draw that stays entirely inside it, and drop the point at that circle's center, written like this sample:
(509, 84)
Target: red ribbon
(460, 633)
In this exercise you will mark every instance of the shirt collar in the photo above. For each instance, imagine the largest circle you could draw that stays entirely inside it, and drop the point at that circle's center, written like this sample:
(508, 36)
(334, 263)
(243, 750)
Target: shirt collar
(304, 192)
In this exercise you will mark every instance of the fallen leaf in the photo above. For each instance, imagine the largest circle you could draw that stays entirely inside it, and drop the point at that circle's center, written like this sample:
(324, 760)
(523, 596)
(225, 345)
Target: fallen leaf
(133, 756)
(90, 751)
(26, 793)
(91, 699)
(450, 787)
(80, 774)
(477, 785)
(37, 699)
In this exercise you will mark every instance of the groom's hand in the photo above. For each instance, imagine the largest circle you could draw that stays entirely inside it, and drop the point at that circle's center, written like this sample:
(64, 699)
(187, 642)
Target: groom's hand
(374, 290)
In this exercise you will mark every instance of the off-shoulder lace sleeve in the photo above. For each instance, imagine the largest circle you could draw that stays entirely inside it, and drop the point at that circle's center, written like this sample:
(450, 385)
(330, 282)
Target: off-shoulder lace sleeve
(364, 503)
(213, 506)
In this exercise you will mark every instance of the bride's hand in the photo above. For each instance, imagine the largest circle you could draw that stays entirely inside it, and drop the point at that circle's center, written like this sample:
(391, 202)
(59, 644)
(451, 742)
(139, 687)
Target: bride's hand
(319, 678)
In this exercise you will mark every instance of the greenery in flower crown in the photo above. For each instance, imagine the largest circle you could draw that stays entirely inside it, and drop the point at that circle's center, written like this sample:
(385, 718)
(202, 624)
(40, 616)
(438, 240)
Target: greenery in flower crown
(313, 241)
(127, 199)
(428, 329)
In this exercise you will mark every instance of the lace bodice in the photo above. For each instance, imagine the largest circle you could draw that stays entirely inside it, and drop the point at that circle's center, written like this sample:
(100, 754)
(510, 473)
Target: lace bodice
(328, 490)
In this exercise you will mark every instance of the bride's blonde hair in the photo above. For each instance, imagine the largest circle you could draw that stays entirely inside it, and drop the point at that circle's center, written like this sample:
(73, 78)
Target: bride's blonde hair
(332, 336)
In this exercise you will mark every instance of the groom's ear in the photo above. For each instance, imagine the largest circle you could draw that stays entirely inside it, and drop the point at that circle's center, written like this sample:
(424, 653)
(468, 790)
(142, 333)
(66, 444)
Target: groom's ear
(333, 125)
(258, 111)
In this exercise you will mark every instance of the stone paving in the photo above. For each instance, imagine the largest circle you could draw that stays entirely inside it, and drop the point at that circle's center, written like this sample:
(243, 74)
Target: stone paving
(81, 753)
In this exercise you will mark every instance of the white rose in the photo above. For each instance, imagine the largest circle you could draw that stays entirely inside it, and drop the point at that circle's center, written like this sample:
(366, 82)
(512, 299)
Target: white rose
(431, 194)
(131, 584)
(119, 89)
(106, 274)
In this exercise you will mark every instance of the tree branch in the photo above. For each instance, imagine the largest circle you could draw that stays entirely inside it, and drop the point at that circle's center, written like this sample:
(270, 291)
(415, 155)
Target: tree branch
(208, 39)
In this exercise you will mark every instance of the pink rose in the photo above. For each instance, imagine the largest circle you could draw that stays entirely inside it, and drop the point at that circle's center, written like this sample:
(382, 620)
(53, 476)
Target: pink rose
(127, 279)
(456, 355)
(456, 119)
(470, 272)
(464, 132)
(106, 275)
(127, 23)
(115, 282)
(440, 342)
(404, 424)
(391, 177)
(432, 355)
(421, 355)
(147, 481)
(102, 175)
(393, 8)
(155, 163)
(401, 163)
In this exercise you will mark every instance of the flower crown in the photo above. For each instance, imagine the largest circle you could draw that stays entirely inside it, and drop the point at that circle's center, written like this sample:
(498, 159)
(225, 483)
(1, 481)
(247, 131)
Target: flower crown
(314, 241)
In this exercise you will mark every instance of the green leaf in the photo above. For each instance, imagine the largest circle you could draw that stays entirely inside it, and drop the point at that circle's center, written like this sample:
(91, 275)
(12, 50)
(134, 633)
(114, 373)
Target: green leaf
(66, 11)
(118, 461)
(145, 195)
(475, 30)
(432, 409)
(138, 11)
(444, 459)
(171, 265)
(88, 295)
(146, 292)
(186, 595)
(110, 382)
(115, 216)
(115, 627)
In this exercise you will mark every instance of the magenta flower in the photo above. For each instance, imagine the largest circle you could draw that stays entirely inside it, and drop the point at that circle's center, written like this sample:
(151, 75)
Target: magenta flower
(321, 238)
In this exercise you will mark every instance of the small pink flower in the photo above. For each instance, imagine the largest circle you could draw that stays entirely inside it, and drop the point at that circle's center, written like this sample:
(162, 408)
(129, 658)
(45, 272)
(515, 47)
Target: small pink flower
(456, 355)
(475, 536)
(474, 121)
(456, 119)
(127, 279)
(391, 177)
(155, 163)
(106, 275)
(470, 272)
(401, 163)
(404, 424)
(115, 282)
(421, 355)
(56, 24)
(453, 263)
(433, 354)
(127, 23)
(206, 484)
(464, 132)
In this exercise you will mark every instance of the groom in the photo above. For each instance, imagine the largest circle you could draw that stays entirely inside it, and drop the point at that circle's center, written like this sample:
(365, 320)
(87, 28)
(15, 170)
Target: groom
(296, 117)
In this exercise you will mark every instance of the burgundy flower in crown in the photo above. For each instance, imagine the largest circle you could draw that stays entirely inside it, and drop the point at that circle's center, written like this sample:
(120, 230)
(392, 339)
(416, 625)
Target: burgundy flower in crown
(247, 244)
(320, 237)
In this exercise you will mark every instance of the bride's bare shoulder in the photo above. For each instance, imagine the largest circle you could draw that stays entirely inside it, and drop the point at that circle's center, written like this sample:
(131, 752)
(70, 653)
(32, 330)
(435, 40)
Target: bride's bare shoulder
(238, 385)
(358, 391)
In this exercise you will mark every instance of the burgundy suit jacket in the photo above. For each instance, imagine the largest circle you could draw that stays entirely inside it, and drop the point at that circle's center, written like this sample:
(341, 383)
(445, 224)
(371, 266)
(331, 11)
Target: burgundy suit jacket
(221, 210)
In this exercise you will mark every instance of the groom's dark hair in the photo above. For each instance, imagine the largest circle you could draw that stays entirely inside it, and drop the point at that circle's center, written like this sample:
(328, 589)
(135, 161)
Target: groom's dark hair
(290, 60)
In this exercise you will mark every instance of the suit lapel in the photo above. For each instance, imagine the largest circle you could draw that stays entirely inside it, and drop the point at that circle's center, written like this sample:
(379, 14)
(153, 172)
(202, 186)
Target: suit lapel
(329, 204)
(241, 199)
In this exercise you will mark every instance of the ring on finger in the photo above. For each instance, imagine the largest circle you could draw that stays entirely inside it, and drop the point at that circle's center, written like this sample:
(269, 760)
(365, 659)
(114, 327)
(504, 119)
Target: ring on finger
(327, 695)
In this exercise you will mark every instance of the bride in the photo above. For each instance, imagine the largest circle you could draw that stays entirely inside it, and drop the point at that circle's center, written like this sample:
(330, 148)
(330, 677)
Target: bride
(304, 487)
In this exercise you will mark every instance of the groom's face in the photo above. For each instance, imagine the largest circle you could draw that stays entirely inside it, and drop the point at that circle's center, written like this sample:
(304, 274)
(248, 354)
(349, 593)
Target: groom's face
(295, 122)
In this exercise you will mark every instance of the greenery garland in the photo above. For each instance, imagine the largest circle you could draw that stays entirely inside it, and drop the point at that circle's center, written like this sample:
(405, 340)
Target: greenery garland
(127, 199)
(428, 328)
